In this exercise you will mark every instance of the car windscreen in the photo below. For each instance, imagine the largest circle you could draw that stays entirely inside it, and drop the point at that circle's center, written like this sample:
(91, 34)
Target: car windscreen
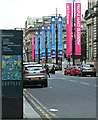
(31, 68)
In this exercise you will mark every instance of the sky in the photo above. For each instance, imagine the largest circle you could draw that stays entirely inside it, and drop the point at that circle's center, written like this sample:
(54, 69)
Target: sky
(13, 13)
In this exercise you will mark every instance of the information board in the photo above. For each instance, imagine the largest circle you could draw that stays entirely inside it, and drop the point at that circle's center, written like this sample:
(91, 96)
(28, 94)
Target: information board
(12, 83)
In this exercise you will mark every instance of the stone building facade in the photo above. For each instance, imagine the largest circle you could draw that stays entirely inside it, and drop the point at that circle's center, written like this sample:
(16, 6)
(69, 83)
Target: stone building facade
(91, 16)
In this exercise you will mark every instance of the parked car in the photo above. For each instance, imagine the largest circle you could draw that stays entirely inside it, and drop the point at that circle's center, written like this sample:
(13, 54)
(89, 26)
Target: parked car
(34, 74)
(58, 67)
(67, 70)
(75, 70)
(88, 69)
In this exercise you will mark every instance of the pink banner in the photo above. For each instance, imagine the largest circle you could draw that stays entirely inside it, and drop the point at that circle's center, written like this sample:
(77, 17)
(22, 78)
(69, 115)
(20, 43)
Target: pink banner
(32, 46)
(77, 28)
(68, 28)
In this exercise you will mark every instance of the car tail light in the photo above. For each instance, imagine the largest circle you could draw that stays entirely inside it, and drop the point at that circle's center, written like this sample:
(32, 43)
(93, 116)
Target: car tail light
(42, 77)
(94, 68)
(25, 72)
(83, 68)
(43, 71)
(27, 78)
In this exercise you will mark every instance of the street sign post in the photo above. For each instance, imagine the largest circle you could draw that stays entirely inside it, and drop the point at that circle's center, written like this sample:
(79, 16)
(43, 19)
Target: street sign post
(11, 78)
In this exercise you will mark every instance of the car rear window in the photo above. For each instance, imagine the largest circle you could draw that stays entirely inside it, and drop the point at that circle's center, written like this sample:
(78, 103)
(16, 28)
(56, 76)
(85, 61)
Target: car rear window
(33, 68)
(90, 65)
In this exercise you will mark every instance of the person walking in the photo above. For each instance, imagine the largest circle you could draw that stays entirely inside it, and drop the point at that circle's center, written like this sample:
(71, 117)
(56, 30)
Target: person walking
(47, 70)
(53, 69)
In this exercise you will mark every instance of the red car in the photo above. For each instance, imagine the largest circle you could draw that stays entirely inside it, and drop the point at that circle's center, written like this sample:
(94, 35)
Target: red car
(75, 70)
(67, 70)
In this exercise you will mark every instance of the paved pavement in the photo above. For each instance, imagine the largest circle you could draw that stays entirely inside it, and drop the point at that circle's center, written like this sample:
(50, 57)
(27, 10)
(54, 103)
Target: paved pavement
(28, 111)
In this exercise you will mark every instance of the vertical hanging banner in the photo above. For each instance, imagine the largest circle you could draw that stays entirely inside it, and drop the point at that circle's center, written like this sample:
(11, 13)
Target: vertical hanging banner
(43, 40)
(53, 35)
(36, 44)
(48, 41)
(40, 44)
(68, 28)
(77, 28)
(59, 36)
(32, 46)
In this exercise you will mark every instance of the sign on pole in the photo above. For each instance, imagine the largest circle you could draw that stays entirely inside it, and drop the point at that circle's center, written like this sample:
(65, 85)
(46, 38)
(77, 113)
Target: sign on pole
(33, 46)
(36, 44)
(43, 40)
(40, 44)
(77, 28)
(48, 41)
(59, 36)
(53, 36)
(68, 28)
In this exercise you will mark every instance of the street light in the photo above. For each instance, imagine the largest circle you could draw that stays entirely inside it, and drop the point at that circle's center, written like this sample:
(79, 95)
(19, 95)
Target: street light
(73, 42)
(56, 39)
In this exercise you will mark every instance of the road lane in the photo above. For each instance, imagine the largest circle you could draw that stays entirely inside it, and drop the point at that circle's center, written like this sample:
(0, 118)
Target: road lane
(72, 97)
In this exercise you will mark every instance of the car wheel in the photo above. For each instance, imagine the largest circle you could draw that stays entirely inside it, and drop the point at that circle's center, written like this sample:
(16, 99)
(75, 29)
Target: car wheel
(95, 75)
(46, 84)
(91, 75)
(82, 74)
(73, 74)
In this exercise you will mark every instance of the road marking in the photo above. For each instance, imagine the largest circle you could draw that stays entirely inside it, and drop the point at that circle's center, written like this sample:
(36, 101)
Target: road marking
(50, 87)
(73, 81)
(53, 110)
(39, 106)
(85, 83)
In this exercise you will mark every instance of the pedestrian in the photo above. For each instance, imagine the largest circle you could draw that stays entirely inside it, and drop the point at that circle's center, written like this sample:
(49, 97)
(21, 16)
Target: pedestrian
(47, 71)
(53, 69)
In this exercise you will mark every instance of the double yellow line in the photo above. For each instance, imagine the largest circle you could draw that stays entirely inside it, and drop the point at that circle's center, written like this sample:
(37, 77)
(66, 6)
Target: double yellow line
(38, 105)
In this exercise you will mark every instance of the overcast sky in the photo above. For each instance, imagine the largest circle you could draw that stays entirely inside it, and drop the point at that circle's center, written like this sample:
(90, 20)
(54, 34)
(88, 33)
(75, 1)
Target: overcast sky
(13, 13)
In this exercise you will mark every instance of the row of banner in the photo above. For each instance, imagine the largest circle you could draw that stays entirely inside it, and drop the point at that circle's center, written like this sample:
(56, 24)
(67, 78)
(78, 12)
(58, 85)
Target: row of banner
(51, 33)
(69, 28)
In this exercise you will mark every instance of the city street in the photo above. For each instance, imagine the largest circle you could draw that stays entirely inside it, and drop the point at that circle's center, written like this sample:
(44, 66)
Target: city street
(65, 97)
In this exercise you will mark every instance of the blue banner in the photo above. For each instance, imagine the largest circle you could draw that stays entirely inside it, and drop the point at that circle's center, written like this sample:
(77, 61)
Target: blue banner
(53, 36)
(43, 40)
(36, 44)
(48, 41)
(59, 36)
(40, 44)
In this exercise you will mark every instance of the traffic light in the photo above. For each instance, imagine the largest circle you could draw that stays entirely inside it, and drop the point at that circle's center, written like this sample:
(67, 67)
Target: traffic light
(68, 58)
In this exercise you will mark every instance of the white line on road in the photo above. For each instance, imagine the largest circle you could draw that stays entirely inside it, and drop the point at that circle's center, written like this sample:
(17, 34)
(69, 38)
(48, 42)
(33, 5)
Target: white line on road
(85, 83)
(73, 81)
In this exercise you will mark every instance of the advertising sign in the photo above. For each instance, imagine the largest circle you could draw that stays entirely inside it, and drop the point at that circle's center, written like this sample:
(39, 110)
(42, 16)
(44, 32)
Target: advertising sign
(40, 44)
(36, 44)
(53, 36)
(77, 28)
(59, 36)
(48, 41)
(33, 46)
(68, 28)
(43, 40)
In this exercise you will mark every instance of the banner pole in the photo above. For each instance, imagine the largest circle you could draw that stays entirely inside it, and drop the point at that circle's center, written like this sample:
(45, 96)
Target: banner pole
(73, 42)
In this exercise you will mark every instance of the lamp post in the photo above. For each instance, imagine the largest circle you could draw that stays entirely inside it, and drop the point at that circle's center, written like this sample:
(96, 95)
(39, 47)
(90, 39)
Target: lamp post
(73, 42)
(56, 39)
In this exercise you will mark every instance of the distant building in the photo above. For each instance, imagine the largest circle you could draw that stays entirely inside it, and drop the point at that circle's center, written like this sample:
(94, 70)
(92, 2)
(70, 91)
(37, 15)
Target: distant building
(91, 16)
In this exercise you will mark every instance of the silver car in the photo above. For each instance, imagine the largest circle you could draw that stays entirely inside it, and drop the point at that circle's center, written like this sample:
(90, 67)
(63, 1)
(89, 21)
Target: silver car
(88, 69)
(34, 74)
